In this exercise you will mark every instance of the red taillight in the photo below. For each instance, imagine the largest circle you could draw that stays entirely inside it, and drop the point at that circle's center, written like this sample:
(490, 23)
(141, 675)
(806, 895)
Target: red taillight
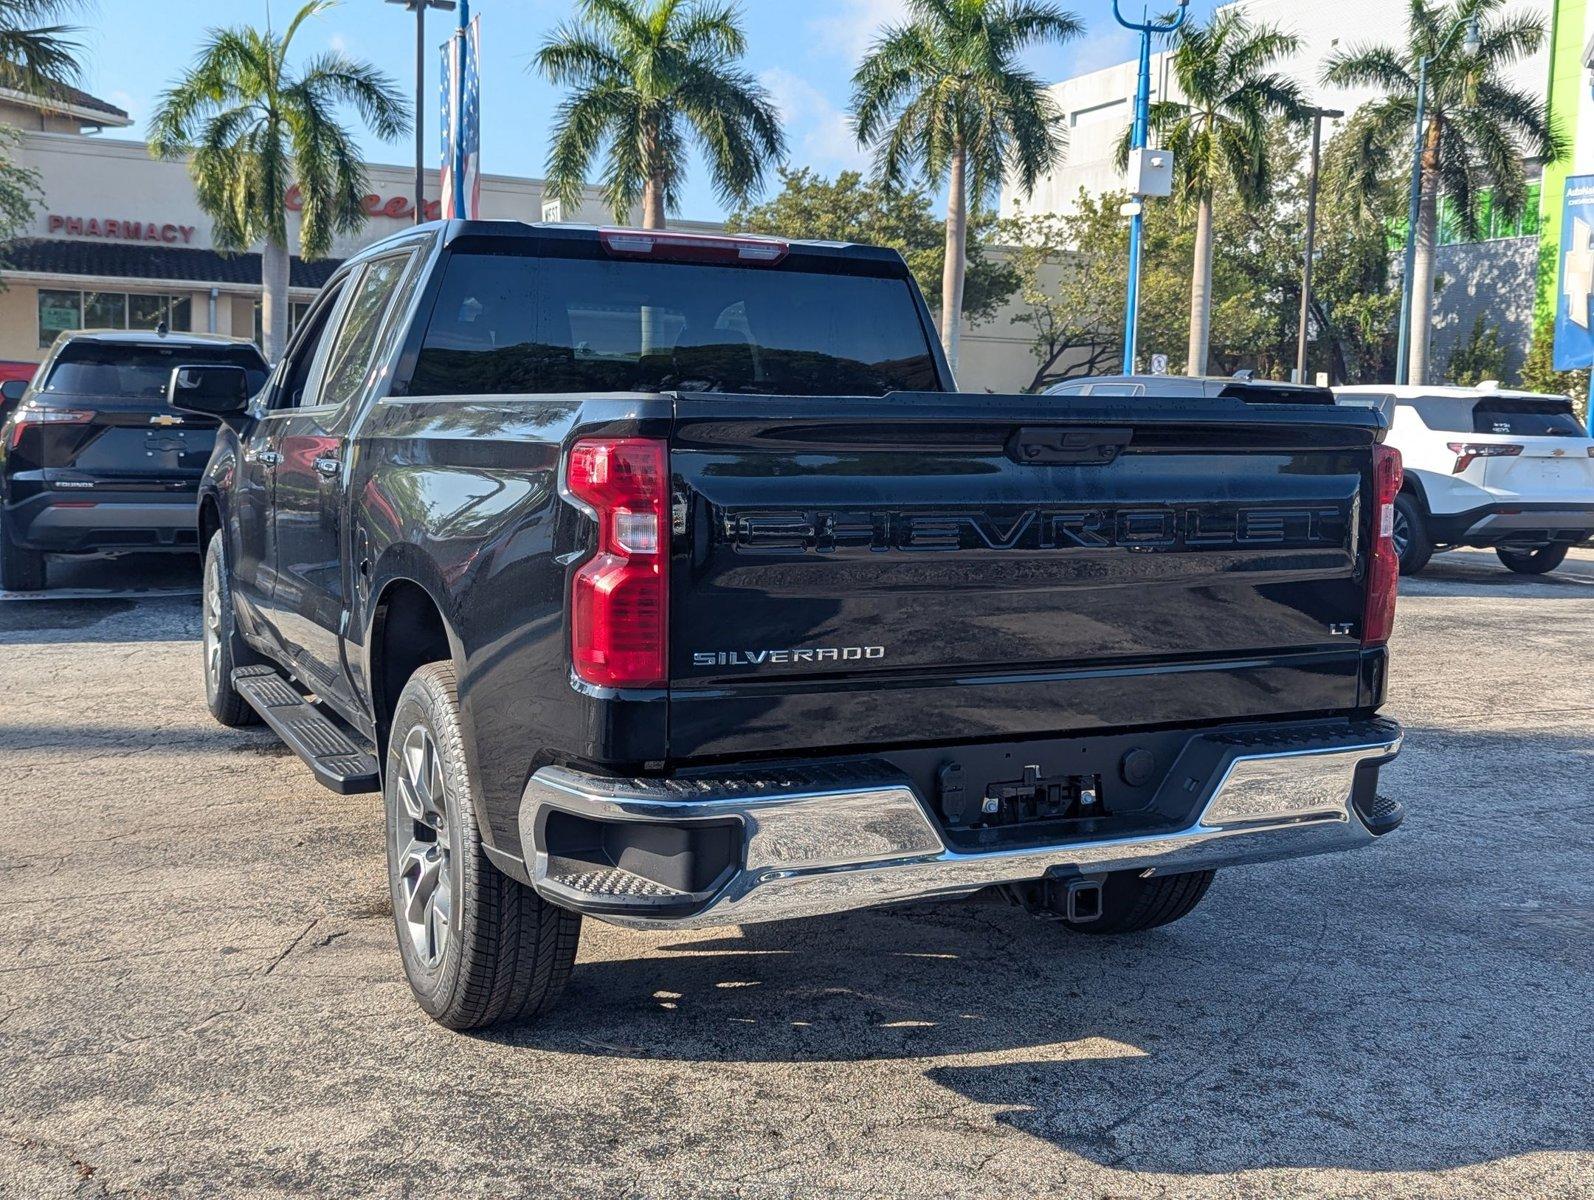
(692, 247)
(34, 414)
(619, 600)
(1466, 452)
(1383, 563)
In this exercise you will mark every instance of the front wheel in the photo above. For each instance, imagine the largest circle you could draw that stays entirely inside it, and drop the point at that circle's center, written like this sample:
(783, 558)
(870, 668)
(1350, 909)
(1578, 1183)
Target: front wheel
(478, 947)
(1533, 562)
(224, 649)
(1132, 902)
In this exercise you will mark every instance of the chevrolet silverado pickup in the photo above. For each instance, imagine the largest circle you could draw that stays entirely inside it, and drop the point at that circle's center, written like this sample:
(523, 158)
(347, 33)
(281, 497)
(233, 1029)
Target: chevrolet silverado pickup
(668, 580)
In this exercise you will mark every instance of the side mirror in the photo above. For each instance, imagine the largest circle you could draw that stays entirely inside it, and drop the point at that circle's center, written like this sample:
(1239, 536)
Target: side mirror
(211, 390)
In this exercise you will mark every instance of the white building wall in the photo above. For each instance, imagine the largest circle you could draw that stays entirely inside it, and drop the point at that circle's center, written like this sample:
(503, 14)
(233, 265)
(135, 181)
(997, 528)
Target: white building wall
(1097, 107)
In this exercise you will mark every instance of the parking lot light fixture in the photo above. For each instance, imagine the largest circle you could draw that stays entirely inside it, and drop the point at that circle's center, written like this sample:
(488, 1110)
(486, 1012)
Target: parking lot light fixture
(419, 7)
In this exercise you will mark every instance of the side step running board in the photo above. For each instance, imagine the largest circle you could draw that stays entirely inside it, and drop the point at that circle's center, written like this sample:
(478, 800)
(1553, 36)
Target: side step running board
(338, 761)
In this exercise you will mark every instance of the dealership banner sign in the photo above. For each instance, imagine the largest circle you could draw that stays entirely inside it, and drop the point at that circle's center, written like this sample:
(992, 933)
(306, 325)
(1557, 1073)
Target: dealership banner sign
(1574, 303)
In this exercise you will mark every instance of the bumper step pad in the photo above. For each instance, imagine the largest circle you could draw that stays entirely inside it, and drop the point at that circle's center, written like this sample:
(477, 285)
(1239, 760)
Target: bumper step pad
(338, 760)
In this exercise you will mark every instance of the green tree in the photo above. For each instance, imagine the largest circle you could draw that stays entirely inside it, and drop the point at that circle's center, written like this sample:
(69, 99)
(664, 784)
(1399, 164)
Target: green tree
(255, 128)
(1539, 373)
(1480, 357)
(1476, 132)
(643, 75)
(944, 99)
(37, 52)
(851, 208)
(1218, 133)
(37, 56)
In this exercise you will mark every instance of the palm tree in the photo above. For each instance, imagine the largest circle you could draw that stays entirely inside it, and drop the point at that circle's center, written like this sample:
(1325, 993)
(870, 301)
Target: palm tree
(1218, 131)
(943, 97)
(1476, 133)
(645, 75)
(37, 54)
(255, 128)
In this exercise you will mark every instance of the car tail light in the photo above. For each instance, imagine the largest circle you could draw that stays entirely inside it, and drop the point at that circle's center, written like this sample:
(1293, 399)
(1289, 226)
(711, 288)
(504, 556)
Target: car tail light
(38, 414)
(692, 247)
(619, 601)
(1383, 565)
(1465, 452)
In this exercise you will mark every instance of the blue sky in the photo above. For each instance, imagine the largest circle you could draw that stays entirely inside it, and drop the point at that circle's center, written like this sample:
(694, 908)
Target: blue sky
(804, 51)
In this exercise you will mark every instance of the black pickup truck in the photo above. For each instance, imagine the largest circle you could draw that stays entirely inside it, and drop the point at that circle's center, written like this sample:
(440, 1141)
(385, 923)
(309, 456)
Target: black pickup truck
(667, 579)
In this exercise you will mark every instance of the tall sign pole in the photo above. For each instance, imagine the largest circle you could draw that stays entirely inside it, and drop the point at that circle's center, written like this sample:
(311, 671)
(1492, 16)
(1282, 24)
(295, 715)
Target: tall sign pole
(1311, 237)
(461, 83)
(1138, 136)
(419, 7)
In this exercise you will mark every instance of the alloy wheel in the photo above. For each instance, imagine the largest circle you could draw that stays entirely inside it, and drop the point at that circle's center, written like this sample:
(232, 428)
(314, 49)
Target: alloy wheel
(212, 626)
(425, 858)
(1401, 535)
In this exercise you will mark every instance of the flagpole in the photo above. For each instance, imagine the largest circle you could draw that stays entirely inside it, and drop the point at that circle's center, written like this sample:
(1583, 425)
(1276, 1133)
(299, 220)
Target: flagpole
(463, 34)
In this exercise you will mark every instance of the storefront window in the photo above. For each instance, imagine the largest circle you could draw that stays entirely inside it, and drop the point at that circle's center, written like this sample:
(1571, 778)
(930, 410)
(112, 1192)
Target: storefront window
(60, 311)
(296, 311)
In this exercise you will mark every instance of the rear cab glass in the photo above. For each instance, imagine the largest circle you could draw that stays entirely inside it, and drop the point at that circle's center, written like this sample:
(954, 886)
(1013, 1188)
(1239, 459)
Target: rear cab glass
(520, 324)
(139, 372)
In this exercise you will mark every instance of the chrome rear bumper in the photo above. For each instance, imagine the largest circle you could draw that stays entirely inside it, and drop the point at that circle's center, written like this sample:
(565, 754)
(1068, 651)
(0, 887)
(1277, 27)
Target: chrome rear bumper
(825, 840)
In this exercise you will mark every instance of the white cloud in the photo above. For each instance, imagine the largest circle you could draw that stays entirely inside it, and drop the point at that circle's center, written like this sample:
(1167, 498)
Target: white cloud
(338, 43)
(850, 27)
(818, 133)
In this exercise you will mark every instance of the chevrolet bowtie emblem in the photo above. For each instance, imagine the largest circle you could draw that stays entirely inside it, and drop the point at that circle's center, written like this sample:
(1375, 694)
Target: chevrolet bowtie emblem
(165, 421)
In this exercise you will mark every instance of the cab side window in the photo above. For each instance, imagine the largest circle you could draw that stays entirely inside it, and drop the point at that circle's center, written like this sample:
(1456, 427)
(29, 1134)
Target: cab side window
(299, 375)
(378, 298)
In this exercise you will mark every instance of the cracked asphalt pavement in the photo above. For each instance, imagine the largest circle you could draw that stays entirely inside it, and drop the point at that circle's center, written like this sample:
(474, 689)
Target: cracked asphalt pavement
(200, 993)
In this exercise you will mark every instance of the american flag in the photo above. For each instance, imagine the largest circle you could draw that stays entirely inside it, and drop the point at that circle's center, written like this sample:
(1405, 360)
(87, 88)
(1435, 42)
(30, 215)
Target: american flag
(461, 124)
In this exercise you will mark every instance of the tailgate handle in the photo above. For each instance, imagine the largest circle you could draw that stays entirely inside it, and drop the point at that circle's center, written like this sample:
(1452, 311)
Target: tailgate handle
(1077, 447)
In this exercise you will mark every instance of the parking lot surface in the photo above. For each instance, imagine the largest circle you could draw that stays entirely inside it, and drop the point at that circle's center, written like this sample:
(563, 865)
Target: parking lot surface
(200, 995)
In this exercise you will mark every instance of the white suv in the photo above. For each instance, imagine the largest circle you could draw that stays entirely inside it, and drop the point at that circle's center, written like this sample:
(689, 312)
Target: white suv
(1486, 467)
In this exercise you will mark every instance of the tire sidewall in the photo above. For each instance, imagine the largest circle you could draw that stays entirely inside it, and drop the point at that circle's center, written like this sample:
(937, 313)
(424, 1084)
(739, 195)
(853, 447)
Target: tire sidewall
(1530, 562)
(1418, 548)
(423, 701)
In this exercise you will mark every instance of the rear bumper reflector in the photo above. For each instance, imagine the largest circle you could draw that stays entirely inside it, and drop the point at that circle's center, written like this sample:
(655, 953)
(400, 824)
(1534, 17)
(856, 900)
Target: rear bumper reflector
(810, 841)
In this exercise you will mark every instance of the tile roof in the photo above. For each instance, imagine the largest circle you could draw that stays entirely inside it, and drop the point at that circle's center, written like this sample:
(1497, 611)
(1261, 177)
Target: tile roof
(134, 260)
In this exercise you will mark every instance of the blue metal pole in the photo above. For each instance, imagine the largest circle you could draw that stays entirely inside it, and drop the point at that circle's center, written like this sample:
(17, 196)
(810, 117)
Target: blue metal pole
(1137, 221)
(459, 109)
(1408, 297)
(1138, 136)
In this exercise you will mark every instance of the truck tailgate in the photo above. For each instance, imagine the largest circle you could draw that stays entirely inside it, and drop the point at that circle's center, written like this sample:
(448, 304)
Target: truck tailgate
(940, 567)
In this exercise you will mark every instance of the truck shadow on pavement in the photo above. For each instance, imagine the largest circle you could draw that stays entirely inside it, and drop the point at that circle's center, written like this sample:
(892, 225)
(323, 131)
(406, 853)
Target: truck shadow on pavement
(1392, 1010)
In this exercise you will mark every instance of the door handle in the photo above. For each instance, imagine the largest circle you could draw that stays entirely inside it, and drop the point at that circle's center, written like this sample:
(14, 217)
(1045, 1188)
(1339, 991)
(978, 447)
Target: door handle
(266, 458)
(328, 466)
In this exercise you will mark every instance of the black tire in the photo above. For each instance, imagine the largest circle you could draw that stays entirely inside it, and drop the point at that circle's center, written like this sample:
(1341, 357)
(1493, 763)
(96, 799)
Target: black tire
(1131, 903)
(222, 647)
(1411, 534)
(499, 952)
(21, 569)
(1532, 562)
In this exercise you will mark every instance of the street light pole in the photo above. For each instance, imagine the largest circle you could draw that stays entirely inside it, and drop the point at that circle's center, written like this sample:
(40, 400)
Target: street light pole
(1137, 141)
(1311, 235)
(1408, 297)
(419, 7)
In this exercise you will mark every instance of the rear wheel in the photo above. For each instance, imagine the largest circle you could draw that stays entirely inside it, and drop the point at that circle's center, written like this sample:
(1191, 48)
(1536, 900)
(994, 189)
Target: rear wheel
(21, 569)
(1532, 562)
(223, 648)
(1131, 902)
(1411, 539)
(478, 947)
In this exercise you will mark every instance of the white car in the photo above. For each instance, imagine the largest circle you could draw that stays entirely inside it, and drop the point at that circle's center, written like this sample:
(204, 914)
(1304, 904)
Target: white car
(1513, 471)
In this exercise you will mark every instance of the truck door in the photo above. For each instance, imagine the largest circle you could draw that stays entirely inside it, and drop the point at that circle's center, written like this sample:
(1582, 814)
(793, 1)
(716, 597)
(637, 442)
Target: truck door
(312, 575)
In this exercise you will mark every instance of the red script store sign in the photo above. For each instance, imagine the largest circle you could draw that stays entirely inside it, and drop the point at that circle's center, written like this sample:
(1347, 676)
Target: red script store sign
(399, 208)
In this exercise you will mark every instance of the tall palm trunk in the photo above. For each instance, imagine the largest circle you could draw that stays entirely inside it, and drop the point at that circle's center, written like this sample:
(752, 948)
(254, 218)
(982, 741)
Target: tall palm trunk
(653, 204)
(1422, 262)
(274, 264)
(1201, 291)
(952, 273)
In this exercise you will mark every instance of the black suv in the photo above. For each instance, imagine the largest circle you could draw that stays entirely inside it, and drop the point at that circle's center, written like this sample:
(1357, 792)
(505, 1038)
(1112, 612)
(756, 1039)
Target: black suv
(93, 459)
